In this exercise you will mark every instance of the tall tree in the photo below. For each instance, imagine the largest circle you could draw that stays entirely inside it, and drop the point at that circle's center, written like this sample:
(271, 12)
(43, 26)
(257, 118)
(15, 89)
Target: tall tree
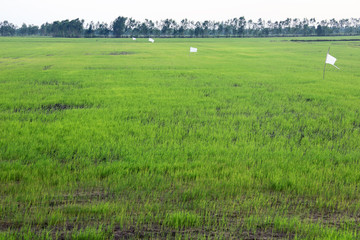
(205, 29)
(184, 24)
(23, 30)
(319, 30)
(242, 24)
(90, 31)
(102, 29)
(7, 29)
(33, 30)
(144, 29)
(150, 26)
(118, 26)
(168, 27)
(198, 29)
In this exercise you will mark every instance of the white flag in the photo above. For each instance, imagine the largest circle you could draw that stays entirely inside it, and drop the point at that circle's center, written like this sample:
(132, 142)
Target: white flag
(331, 60)
(134, 39)
(192, 49)
(151, 40)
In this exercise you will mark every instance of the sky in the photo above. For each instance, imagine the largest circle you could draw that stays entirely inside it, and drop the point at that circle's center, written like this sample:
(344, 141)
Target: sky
(38, 12)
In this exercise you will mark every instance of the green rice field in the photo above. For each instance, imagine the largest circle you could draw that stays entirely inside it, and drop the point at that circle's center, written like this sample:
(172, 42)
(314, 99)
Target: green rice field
(123, 139)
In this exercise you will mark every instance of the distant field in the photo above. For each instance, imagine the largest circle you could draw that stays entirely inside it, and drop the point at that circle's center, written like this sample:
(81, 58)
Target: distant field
(114, 138)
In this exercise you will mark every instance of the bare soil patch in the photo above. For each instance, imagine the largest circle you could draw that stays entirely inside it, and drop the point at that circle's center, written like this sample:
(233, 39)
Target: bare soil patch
(60, 107)
(121, 53)
(52, 107)
(47, 67)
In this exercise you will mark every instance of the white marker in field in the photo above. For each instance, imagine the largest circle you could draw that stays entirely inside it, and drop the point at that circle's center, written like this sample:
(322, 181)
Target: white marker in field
(134, 39)
(151, 40)
(192, 49)
(329, 60)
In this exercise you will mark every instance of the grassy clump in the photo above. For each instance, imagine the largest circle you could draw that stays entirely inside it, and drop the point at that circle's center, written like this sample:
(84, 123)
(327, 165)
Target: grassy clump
(182, 220)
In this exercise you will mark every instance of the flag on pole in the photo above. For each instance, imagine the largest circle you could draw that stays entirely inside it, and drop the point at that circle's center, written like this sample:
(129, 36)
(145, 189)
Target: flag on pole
(330, 60)
(192, 49)
(134, 39)
(151, 40)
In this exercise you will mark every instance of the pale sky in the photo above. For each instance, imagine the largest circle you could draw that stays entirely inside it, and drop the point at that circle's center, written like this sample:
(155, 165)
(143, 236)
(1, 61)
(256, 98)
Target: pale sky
(40, 11)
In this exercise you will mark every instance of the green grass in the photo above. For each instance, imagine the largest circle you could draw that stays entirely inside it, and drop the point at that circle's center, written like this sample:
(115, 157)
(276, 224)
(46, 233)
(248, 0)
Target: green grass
(112, 138)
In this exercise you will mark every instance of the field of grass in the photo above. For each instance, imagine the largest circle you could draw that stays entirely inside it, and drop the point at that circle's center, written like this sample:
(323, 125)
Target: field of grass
(114, 138)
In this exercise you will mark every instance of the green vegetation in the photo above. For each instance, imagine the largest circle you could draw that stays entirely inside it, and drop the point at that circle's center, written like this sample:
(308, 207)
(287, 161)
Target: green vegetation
(114, 138)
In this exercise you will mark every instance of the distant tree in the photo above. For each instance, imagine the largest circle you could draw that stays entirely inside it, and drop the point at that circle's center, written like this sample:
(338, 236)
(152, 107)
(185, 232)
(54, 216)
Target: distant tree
(74, 28)
(23, 30)
(45, 29)
(7, 29)
(131, 26)
(33, 30)
(57, 29)
(103, 29)
(287, 25)
(166, 27)
(90, 31)
(241, 26)
(212, 28)
(184, 24)
(205, 29)
(260, 24)
(277, 28)
(235, 27)
(157, 28)
(65, 28)
(198, 29)
(305, 27)
(325, 27)
(227, 28)
(144, 30)
(150, 26)
(220, 28)
(335, 26)
(118, 26)
(319, 30)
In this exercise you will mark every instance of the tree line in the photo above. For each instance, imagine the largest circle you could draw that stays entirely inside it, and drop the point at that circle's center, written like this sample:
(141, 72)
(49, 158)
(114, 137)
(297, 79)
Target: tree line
(236, 27)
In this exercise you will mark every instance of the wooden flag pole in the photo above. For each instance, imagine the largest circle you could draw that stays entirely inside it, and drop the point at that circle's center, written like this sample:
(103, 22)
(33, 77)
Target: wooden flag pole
(325, 64)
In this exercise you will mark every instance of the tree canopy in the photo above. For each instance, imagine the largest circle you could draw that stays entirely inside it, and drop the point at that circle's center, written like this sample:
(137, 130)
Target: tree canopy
(235, 27)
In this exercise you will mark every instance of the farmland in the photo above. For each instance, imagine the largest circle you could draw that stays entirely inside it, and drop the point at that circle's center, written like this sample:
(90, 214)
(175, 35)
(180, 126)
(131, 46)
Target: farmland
(114, 138)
